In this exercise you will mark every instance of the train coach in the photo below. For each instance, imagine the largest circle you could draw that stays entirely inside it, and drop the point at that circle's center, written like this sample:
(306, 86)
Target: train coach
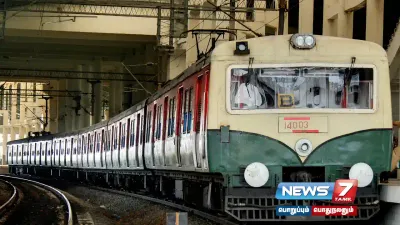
(251, 114)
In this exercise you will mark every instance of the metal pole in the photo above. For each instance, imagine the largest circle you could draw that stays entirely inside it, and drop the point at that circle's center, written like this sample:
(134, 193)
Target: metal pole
(46, 98)
(92, 99)
(232, 22)
(282, 8)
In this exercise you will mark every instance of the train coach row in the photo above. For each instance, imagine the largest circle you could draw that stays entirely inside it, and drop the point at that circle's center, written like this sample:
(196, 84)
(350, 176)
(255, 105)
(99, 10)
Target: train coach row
(166, 131)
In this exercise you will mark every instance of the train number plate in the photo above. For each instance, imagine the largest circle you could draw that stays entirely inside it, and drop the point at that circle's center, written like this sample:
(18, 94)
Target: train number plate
(303, 124)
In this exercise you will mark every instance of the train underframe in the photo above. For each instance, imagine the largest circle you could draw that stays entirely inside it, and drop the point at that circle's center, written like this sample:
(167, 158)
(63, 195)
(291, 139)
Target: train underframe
(241, 203)
(180, 187)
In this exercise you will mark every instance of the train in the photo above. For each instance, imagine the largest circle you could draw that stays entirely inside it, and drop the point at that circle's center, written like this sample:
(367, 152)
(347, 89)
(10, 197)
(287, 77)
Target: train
(247, 116)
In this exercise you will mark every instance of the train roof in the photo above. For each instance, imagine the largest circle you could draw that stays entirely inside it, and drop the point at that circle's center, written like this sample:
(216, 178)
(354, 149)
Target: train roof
(66, 134)
(138, 106)
(41, 138)
(93, 127)
(194, 68)
(273, 46)
(19, 141)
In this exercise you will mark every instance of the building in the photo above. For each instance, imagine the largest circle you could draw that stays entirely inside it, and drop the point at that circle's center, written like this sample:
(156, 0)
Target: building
(22, 111)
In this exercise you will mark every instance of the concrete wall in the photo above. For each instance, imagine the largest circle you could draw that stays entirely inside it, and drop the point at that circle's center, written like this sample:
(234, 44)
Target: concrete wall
(97, 24)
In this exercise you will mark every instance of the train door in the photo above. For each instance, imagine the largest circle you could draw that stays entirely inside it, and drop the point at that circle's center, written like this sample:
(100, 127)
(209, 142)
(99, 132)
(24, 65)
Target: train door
(158, 140)
(127, 141)
(102, 147)
(69, 151)
(22, 154)
(198, 121)
(108, 152)
(74, 152)
(84, 151)
(148, 146)
(62, 155)
(130, 150)
(171, 158)
(115, 155)
(140, 134)
(187, 144)
(122, 144)
(12, 154)
(33, 151)
(43, 153)
(79, 162)
(57, 155)
(179, 125)
(48, 153)
(90, 149)
(17, 154)
(96, 149)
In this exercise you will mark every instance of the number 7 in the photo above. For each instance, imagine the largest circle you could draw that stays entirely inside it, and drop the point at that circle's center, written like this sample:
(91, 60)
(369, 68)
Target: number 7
(347, 189)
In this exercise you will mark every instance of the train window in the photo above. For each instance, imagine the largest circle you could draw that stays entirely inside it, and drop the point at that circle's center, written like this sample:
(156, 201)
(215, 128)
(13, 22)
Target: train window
(187, 110)
(199, 101)
(302, 87)
(85, 144)
(80, 144)
(190, 110)
(142, 129)
(123, 141)
(91, 140)
(158, 122)
(132, 134)
(171, 117)
(184, 110)
(98, 143)
(109, 140)
(115, 138)
(148, 125)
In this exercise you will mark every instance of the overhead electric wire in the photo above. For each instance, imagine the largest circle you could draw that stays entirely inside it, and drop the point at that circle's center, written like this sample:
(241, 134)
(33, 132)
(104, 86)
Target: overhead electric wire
(200, 39)
(278, 15)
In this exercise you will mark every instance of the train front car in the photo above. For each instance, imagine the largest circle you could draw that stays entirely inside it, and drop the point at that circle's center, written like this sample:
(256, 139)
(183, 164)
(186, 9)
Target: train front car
(298, 109)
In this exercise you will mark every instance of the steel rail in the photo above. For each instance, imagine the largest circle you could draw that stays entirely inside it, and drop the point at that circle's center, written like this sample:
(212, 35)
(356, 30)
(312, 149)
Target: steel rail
(197, 212)
(55, 191)
(10, 201)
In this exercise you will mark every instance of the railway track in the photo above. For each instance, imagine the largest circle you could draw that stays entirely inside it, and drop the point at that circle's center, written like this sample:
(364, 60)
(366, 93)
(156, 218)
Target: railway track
(33, 202)
(10, 201)
(208, 216)
(211, 217)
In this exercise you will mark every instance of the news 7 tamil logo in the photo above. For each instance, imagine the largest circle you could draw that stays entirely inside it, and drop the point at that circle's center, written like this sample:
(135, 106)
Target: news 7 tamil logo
(341, 191)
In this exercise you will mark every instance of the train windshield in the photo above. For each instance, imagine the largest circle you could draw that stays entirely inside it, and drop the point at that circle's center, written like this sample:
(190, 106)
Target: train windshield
(301, 87)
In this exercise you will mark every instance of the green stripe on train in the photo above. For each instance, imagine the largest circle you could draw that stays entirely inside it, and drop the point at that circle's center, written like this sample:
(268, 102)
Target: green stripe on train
(233, 150)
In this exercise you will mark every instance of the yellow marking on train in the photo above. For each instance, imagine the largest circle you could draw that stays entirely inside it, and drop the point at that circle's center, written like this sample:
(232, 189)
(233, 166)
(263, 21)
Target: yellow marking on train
(177, 218)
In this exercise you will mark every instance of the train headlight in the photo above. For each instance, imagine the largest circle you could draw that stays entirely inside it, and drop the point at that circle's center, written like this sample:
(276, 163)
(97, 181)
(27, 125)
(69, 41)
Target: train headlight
(302, 41)
(363, 173)
(303, 147)
(256, 174)
(242, 48)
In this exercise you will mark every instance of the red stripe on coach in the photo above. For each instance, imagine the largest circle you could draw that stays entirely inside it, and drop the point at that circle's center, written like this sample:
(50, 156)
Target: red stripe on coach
(296, 118)
(305, 131)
